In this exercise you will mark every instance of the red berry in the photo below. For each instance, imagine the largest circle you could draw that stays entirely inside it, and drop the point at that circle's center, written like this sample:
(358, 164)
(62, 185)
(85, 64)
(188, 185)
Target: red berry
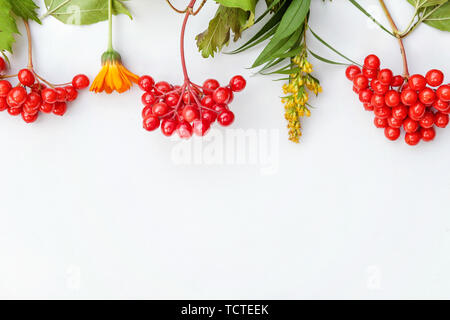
(221, 95)
(408, 97)
(409, 125)
(441, 106)
(427, 134)
(15, 111)
(49, 95)
(237, 83)
(208, 101)
(397, 81)
(370, 73)
(434, 77)
(201, 127)
(71, 93)
(441, 119)
(189, 97)
(168, 127)
(372, 62)
(160, 109)
(148, 99)
(3, 104)
(32, 103)
(147, 111)
(392, 133)
(392, 98)
(2, 65)
(5, 88)
(351, 72)
(417, 111)
(382, 112)
(146, 83)
(378, 100)
(172, 99)
(26, 77)
(162, 87)
(413, 138)
(395, 123)
(443, 93)
(210, 85)
(29, 118)
(18, 95)
(427, 96)
(385, 76)
(61, 94)
(225, 118)
(220, 107)
(356, 90)
(378, 87)
(80, 81)
(151, 123)
(380, 123)
(368, 107)
(360, 81)
(59, 108)
(190, 113)
(417, 82)
(184, 130)
(209, 116)
(427, 120)
(400, 112)
(46, 107)
(365, 95)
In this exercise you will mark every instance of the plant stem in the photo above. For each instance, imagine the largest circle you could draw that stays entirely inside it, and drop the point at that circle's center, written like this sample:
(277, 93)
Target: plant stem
(183, 32)
(30, 45)
(110, 35)
(398, 36)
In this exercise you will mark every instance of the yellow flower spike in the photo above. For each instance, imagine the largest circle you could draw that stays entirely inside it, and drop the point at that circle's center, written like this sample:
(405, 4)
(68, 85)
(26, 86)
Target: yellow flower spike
(113, 76)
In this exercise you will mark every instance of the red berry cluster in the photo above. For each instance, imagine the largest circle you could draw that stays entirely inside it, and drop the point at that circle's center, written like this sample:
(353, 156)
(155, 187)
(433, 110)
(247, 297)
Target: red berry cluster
(189, 108)
(31, 96)
(398, 102)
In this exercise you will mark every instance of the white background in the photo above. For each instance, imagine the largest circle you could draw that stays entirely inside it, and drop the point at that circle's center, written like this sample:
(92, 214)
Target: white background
(93, 206)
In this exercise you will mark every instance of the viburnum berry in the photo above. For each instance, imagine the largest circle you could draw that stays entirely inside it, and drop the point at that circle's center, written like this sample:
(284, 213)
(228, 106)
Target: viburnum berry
(400, 112)
(33, 102)
(3, 104)
(221, 95)
(378, 87)
(18, 95)
(441, 106)
(160, 109)
(417, 111)
(151, 123)
(370, 73)
(427, 120)
(208, 101)
(409, 125)
(148, 99)
(61, 94)
(71, 93)
(184, 130)
(434, 78)
(427, 96)
(413, 138)
(190, 113)
(409, 97)
(441, 120)
(427, 134)
(394, 122)
(360, 81)
(5, 88)
(172, 99)
(392, 133)
(385, 76)
(168, 127)
(15, 111)
(2, 65)
(49, 95)
(443, 93)
(162, 87)
(28, 117)
(26, 77)
(352, 71)
(225, 118)
(365, 95)
(372, 62)
(417, 82)
(392, 98)
(382, 112)
(46, 107)
(146, 83)
(378, 100)
(380, 123)
(210, 85)
(397, 81)
(238, 83)
(209, 116)
(80, 81)
(59, 108)
(201, 127)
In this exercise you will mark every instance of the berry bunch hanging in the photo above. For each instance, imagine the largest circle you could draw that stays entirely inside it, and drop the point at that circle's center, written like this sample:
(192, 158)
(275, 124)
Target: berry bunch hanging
(417, 103)
(190, 108)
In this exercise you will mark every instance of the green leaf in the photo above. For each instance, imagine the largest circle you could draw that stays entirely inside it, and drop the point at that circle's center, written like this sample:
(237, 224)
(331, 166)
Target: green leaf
(436, 13)
(360, 8)
(83, 12)
(246, 5)
(8, 26)
(26, 9)
(218, 34)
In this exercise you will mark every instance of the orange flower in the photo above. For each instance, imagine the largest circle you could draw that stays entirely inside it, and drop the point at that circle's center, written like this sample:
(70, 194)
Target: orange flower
(113, 76)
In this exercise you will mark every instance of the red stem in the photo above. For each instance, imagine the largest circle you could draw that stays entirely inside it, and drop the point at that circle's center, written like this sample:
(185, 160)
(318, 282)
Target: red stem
(183, 31)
